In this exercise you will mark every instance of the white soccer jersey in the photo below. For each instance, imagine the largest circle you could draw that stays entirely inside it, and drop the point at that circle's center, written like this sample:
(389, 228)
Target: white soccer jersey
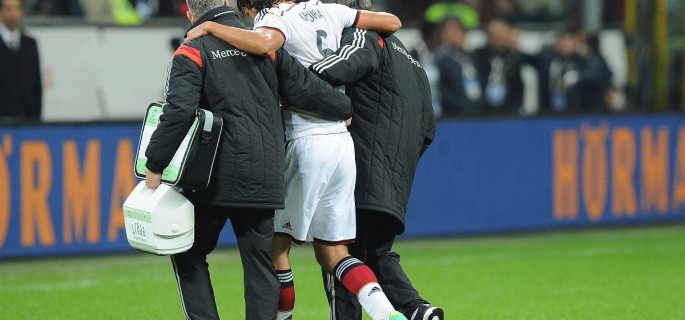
(312, 31)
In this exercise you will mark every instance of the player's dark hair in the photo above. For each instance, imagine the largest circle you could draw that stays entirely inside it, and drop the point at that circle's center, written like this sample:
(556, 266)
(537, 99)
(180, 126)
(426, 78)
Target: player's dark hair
(359, 4)
(243, 5)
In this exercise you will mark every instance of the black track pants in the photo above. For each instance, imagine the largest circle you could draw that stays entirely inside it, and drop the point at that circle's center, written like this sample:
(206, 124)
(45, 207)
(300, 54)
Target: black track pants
(373, 246)
(254, 231)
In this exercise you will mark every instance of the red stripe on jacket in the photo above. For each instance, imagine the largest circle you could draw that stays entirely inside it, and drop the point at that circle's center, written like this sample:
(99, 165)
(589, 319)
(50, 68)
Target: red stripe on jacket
(190, 52)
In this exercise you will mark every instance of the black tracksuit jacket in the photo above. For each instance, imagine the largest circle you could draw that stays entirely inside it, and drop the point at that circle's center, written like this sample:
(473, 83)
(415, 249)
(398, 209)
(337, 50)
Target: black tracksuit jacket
(393, 121)
(243, 89)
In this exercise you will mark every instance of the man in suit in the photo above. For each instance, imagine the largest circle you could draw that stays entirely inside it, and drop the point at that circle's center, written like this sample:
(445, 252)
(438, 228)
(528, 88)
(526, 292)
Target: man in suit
(21, 91)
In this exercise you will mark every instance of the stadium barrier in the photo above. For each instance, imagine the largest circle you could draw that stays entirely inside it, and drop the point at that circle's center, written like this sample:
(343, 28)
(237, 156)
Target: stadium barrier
(105, 73)
(62, 186)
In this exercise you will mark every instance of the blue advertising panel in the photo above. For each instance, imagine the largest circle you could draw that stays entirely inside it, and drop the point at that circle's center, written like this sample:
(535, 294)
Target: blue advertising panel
(496, 175)
(62, 186)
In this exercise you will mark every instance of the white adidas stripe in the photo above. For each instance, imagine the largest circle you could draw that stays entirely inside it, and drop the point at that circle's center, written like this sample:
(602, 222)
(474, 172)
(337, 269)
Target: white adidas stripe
(345, 52)
(330, 286)
(285, 277)
(344, 266)
(180, 292)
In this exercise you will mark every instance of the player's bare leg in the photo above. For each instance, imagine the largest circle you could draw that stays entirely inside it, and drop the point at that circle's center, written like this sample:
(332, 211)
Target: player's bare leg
(358, 278)
(328, 256)
(279, 252)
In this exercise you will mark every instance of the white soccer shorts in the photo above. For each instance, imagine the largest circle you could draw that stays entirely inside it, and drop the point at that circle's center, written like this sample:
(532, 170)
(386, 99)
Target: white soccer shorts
(319, 199)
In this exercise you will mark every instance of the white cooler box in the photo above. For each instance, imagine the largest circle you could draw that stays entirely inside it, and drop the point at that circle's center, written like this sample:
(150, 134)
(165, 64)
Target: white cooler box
(159, 221)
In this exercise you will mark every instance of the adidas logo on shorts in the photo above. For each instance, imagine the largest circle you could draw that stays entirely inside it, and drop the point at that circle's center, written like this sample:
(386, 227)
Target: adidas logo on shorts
(287, 226)
(374, 290)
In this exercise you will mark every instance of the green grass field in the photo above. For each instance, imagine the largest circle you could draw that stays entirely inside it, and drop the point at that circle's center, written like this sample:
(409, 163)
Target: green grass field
(618, 273)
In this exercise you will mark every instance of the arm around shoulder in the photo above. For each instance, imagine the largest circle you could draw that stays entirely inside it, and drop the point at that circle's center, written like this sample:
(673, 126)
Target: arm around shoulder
(262, 41)
(382, 22)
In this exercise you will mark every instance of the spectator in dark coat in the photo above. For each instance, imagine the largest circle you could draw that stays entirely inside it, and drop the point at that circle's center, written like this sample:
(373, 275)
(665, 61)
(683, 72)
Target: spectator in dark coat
(558, 73)
(460, 91)
(21, 91)
(595, 77)
(499, 69)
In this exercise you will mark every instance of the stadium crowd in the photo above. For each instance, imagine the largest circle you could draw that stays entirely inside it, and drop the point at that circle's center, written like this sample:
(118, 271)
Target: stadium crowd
(572, 75)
